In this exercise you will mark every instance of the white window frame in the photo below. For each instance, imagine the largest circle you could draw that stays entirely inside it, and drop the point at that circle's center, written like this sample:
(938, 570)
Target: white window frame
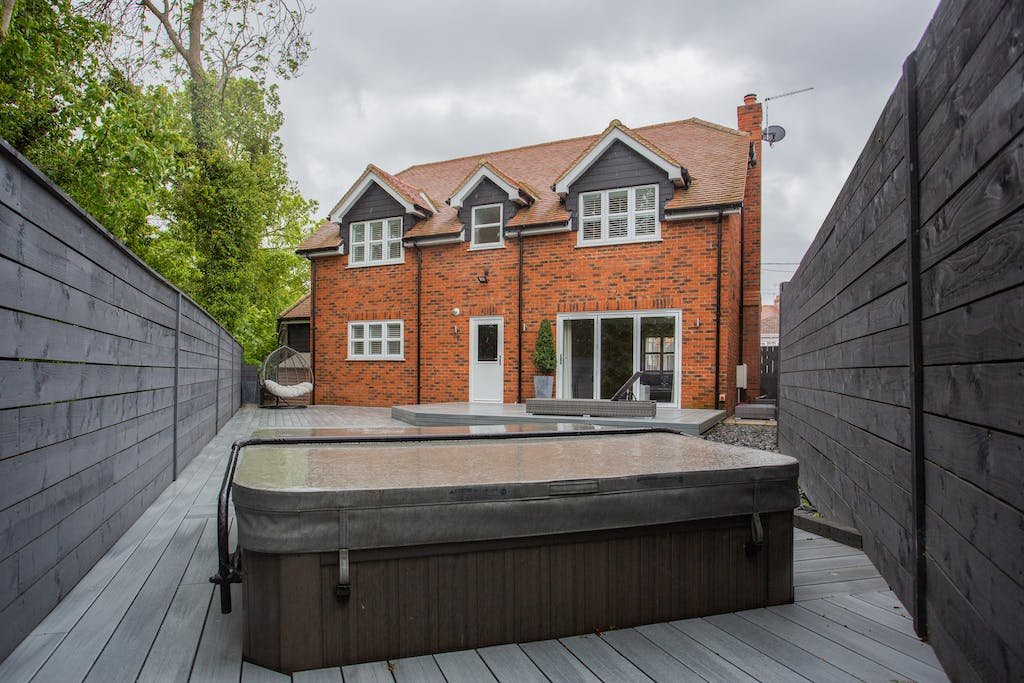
(562, 368)
(365, 327)
(631, 213)
(473, 244)
(385, 242)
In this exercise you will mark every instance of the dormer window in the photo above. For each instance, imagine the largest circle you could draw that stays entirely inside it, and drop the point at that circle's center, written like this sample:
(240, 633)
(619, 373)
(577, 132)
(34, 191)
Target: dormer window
(486, 229)
(373, 243)
(628, 214)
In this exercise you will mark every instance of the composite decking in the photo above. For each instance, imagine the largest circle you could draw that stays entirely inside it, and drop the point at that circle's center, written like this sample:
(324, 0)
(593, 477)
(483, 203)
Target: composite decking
(147, 612)
(693, 421)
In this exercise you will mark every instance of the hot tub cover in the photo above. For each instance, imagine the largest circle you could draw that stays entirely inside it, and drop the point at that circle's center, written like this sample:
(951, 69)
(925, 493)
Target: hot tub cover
(300, 498)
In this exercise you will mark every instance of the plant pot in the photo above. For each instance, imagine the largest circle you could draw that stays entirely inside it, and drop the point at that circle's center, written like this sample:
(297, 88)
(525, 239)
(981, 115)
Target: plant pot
(543, 385)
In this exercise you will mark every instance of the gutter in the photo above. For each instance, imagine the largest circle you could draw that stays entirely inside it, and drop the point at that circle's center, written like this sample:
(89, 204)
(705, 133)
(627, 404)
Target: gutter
(710, 211)
(519, 333)
(419, 318)
(718, 316)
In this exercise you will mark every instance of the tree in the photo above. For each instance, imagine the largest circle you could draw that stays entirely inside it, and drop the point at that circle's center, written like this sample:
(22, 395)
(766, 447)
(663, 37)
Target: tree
(544, 351)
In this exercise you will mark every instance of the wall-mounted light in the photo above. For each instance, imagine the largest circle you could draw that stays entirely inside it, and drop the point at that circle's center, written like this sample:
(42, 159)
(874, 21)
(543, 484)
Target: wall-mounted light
(482, 279)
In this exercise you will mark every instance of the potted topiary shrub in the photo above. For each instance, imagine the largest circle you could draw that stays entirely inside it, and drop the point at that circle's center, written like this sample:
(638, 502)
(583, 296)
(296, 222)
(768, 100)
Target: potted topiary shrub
(544, 360)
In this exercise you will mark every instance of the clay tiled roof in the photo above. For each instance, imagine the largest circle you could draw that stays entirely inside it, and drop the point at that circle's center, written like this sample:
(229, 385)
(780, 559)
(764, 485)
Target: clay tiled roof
(715, 156)
(327, 236)
(527, 192)
(300, 309)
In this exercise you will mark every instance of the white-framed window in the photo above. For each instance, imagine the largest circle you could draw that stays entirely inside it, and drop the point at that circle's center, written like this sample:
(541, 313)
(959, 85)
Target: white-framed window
(625, 214)
(486, 230)
(375, 242)
(376, 340)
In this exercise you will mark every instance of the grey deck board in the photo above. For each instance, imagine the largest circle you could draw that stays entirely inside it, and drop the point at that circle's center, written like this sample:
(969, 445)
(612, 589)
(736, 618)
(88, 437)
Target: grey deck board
(373, 672)
(126, 651)
(810, 578)
(219, 655)
(818, 645)
(883, 598)
(170, 658)
(702, 661)
(156, 576)
(781, 650)
(886, 616)
(848, 637)
(328, 675)
(510, 664)
(821, 590)
(29, 657)
(832, 563)
(738, 653)
(423, 669)
(647, 655)
(257, 674)
(557, 663)
(601, 658)
(464, 666)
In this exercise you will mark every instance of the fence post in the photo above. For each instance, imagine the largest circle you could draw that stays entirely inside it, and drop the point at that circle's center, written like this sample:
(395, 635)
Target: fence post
(177, 365)
(216, 400)
(916, 352)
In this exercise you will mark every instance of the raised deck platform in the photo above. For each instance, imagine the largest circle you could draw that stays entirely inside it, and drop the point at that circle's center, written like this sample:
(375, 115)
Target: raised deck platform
(693, 421)
(147, 612)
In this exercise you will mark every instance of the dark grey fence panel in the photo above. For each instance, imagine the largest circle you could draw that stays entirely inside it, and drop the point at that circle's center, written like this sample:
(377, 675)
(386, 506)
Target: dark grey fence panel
(846, 403)
(93, 372)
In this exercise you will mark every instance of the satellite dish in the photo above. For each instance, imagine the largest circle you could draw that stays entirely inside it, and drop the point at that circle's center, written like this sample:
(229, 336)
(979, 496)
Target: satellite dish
(773, 134)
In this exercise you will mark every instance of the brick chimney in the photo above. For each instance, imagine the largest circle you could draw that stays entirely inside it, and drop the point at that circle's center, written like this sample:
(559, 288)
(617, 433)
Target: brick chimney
(749, 120)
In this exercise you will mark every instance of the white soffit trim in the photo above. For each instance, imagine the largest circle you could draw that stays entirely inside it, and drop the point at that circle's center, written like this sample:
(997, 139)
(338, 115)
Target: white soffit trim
(675, 173)
(321, 252)
(354, 194)
(483, 172)
(544, 230)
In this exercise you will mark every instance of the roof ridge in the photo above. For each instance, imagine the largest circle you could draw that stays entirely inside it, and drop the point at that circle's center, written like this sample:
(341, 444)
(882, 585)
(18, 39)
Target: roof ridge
(487, 155)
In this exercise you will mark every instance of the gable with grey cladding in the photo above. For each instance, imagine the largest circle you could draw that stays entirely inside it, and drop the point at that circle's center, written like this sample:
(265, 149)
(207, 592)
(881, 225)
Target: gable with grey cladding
(375, 203)
(111, 381)
(847, 409)
(619, 166)
(486, 192)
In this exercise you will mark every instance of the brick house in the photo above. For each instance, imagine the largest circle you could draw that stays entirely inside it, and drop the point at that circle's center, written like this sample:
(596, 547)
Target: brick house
(642, 246)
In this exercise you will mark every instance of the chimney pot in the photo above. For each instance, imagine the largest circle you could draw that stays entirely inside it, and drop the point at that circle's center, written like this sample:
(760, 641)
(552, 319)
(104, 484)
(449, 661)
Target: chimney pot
(749, 99)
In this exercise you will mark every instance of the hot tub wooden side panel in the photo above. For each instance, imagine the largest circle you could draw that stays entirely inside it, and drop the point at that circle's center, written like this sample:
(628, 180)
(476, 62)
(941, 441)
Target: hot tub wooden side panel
(428, 599)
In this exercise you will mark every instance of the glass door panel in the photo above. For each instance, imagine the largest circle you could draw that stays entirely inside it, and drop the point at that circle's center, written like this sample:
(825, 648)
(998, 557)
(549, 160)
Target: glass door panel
(579, 358)
(658, 364)
(616, 354)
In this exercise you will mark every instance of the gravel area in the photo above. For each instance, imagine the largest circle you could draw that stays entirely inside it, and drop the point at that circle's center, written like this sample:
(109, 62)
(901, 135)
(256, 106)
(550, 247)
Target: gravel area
(762, 437)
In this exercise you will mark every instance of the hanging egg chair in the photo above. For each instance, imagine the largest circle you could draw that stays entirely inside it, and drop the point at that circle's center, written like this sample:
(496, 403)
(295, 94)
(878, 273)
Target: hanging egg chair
(287, 377)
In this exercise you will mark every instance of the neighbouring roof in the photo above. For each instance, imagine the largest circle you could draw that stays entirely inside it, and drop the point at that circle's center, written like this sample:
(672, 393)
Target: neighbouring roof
(300, 309)
(715, 157)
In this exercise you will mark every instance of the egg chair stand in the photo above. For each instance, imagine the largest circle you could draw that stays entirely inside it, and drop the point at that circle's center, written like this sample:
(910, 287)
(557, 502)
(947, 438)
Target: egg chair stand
(287, 377)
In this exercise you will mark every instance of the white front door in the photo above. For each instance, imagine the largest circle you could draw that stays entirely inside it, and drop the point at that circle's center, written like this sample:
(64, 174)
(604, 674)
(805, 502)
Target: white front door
(486, 364)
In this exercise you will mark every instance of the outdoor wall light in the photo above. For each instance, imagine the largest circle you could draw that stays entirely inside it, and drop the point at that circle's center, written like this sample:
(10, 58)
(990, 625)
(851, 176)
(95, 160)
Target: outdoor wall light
(455, 311)
(482, 279)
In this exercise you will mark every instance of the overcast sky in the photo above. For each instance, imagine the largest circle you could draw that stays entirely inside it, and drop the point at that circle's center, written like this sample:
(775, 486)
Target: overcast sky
(397, 84)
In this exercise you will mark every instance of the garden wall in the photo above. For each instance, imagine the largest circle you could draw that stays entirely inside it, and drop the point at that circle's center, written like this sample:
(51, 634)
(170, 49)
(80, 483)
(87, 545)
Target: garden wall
(111, 381)
(902, 346)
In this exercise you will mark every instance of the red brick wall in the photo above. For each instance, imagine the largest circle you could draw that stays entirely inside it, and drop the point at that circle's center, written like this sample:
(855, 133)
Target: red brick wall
(749, 119)
(559, 277)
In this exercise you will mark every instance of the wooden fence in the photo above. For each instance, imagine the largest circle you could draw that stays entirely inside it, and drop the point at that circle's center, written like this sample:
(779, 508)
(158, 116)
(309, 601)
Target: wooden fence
(111, 381)
(770, 371)
(903, 343)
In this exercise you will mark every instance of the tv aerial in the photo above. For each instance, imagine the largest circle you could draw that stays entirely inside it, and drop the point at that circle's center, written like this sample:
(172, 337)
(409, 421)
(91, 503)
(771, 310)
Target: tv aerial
(773, 134)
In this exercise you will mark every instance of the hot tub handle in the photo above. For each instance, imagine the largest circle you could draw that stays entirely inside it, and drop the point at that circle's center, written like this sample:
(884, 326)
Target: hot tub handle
(344, 588)
(756, 534)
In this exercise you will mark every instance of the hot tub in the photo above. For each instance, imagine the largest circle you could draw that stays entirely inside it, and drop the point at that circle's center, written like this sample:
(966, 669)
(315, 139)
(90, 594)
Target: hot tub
(359, 552)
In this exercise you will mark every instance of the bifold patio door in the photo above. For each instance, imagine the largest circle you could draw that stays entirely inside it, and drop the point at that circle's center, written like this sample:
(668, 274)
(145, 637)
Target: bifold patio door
(600, 352)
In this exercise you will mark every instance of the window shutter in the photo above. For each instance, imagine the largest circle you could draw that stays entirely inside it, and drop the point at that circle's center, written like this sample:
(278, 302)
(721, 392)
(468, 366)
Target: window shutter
(376, 230)
(591, 204)
(591, 228)
(395, 249)
(645, 225)
(618, 201)
(645, 199)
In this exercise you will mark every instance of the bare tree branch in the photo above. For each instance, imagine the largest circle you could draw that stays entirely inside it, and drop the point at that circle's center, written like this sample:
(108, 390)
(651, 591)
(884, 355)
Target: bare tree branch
(5, 19)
